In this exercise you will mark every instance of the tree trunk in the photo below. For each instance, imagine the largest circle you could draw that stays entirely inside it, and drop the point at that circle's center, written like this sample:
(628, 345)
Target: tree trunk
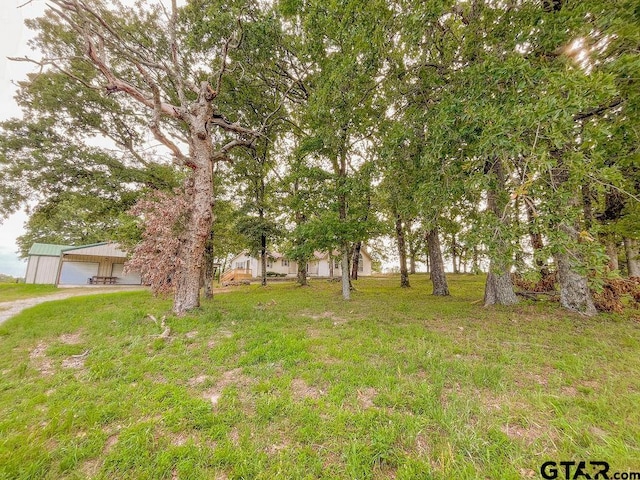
(198, 228)
(475, 266)
(402, 253)
(438, 277)
(612, 253)
(454, 253)
(355, 262)
(209, 271)
(574, 287)
(587, 205)
(413, 243)
(346, 284)
(263, 259)
(633, 260)
(498, 288)
(302, 274)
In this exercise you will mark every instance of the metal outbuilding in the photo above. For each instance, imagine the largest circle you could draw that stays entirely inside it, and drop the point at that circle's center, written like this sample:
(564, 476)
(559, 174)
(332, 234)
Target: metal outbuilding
(99, 263)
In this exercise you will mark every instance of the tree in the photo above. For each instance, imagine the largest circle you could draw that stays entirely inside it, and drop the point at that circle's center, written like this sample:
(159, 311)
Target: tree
(143, 60)
(343, 43)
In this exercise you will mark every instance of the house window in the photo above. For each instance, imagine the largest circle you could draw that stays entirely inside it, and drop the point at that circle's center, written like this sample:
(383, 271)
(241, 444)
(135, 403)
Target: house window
(336, 263)
(285, 263)
(360, 263)
(269, 263)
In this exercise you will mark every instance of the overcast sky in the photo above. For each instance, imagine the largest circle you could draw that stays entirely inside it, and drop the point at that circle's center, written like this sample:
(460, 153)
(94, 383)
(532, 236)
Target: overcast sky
(13, 42)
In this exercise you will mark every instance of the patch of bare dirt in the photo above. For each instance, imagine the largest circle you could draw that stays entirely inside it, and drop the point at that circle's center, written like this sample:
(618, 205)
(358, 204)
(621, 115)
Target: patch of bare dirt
(89, 468)
(527, 473)
(232, 377)
(192, 334)
(179, 439)
(527, 435)
(301, 390)
(110, 443)
(384, 472)
(569, 391)
(366, 396)
(75, 362)
(199, 380)
(275, 448)
(326, 316)
(598, 432)
(315, 333)
(40, 361)
(526, 379)
(421, 444)
(155, 378)
(234, 436)
(71, 338)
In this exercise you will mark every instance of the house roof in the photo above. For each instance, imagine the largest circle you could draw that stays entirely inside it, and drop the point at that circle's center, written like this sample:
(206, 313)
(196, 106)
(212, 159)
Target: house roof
(47, 249)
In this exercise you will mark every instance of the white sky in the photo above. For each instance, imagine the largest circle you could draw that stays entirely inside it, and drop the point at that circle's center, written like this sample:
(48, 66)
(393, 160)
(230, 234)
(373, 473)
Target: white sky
(13, 43)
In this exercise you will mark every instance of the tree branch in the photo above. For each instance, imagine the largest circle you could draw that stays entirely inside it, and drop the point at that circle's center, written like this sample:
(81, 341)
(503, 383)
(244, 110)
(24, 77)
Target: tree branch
(598, 110)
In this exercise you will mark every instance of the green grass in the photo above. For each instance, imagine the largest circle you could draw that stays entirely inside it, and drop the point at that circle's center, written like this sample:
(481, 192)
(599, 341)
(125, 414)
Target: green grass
(393, 384)
(18, 291)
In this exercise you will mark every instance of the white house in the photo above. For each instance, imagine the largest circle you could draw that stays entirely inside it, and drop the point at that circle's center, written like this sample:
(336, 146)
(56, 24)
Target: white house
(245, 265)
(96, 264)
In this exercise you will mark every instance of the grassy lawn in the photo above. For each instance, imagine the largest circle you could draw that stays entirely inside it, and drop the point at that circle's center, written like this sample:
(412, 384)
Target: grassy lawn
(18, 291)
(289, 382)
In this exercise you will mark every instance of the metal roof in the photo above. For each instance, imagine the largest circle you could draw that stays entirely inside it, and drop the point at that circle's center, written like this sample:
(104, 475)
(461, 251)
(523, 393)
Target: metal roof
(66, 249)
(47, 249)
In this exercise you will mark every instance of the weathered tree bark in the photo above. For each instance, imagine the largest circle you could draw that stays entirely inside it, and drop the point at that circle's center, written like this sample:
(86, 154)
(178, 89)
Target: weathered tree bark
(574, 287)
(454, 253)
(438, 277)
(413, 247)
(633, 258)
(587, 205)
(346, 284)
(402, 253)
(612, 253)
(412, 262)
(209, 271)
(263, 259)
(355, 261)
(498, 287)
(198, 227)
(302, 274)
(475, 266)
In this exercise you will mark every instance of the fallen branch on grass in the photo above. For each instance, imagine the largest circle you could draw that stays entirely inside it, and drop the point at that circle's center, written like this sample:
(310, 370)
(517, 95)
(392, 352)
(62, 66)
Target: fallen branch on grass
(166, 328)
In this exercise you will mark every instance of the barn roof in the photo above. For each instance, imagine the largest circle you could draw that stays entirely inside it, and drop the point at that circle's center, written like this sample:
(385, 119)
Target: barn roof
(47, 249)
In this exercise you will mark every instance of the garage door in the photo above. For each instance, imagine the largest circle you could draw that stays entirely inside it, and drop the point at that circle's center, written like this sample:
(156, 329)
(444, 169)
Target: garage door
(131, 278)
(77, 273)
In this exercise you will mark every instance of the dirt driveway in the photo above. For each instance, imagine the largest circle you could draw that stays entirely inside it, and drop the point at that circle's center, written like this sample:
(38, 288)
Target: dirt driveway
(9, 309)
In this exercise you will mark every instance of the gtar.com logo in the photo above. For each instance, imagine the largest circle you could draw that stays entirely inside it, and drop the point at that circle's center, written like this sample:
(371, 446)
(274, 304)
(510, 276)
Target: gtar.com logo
(588, 470)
